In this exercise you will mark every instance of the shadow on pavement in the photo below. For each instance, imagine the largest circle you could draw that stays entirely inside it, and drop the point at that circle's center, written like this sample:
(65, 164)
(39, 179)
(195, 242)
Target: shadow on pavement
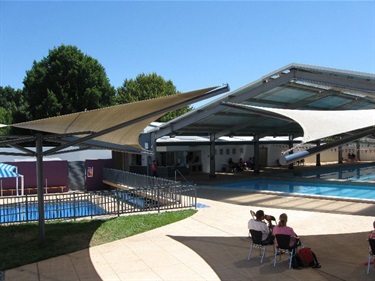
(342, 257)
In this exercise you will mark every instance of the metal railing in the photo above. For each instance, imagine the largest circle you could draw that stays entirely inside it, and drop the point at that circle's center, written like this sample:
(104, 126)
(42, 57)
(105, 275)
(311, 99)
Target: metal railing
(165, 195)
(135, 180)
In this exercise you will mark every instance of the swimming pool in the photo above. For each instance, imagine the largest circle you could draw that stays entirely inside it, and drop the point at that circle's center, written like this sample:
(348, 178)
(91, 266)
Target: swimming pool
(330, 190)
(29, 212)
(354, 174)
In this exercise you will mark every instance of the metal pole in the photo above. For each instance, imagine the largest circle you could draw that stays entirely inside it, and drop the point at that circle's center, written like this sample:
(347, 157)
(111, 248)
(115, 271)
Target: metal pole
(291, 165)
(256, 154)
(318, 163)
(39, 174)
(158, 196)
(212, 156)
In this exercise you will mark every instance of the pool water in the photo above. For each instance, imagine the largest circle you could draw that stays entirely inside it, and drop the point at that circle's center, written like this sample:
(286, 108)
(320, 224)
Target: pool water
(305, 188)
(355, 174)
(29, 212)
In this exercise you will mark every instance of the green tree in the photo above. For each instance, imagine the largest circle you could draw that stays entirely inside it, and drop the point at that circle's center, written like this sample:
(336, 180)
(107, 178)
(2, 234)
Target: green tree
(5, 118)
(66, 81)
(13, 107)
(148, 87)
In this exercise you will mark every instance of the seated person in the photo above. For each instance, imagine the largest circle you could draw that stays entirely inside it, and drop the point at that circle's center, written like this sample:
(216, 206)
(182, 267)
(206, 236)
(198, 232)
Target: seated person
(250, 163)
(231, 164)
(371, 235)
(242, 164)
(260, 225)
(282, 228)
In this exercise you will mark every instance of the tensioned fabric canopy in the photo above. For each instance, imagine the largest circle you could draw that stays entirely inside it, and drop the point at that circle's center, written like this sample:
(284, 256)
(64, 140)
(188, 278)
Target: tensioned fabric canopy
(318, 124)
(8, 171)
(129, 119)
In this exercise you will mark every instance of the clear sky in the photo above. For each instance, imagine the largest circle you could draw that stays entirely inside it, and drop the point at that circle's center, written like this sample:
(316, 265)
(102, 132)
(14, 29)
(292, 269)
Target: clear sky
(194, 44)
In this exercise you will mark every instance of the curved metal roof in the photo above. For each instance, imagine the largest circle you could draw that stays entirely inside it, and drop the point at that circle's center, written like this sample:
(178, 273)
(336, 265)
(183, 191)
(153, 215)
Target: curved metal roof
(294, 86)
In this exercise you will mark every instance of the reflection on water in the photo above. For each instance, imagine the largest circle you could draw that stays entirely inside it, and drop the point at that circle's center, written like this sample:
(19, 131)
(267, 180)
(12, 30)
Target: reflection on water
(306, 188)
(345, 190)
(362, 174)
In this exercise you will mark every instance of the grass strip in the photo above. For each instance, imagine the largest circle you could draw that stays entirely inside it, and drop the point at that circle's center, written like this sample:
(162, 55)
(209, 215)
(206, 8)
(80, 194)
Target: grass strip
(20, 243)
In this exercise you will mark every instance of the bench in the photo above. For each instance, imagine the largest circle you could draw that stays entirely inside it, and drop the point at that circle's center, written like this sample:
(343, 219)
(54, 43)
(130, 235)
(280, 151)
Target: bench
(33, 190)
(116, 185)
(55, 189)
(9, 191)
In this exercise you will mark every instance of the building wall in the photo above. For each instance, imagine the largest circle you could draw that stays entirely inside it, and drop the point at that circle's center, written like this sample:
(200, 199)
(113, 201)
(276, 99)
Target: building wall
(55, 173)
(94, 173)
(237, 151)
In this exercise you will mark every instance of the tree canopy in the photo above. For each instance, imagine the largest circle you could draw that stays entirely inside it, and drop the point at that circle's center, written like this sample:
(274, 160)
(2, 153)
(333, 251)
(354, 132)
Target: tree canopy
(148, 87)
(13, 107)
(66, 81)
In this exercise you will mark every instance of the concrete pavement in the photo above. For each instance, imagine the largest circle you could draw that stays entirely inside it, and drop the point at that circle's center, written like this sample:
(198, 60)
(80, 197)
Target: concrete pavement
(213, 245)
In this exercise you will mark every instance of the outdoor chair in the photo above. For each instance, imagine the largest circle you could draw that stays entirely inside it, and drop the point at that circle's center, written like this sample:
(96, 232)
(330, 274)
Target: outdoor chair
(283, 242)
(371, 254)
(256, 237)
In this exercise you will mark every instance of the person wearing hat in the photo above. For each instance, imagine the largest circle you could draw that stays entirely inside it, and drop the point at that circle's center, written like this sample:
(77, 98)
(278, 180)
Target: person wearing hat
(259, 224)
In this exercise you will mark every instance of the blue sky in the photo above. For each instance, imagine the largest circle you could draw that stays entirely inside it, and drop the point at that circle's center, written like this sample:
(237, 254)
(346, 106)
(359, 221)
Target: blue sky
(194, 44)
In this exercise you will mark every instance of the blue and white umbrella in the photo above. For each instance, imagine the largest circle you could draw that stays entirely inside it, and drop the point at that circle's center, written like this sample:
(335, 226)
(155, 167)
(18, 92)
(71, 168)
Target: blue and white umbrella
(9, 171)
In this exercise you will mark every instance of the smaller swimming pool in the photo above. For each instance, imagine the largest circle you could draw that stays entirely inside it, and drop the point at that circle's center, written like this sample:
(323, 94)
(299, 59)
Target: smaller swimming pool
(343, 191)
(29, 212)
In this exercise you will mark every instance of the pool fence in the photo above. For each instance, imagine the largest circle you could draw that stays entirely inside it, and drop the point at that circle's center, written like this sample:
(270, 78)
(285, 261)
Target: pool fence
(129, 193)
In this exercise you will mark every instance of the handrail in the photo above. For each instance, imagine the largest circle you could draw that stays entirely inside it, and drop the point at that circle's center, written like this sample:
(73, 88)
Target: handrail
(136, 180)
(175, 175)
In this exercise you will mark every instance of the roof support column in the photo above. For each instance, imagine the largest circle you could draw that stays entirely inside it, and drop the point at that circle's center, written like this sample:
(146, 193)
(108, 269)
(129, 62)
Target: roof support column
(256, 154)
(154, 155)
(318, 155)
(290, 143)
(153, 146)
(212, 156)
(358, 151)
(39, 176)
(340, 159)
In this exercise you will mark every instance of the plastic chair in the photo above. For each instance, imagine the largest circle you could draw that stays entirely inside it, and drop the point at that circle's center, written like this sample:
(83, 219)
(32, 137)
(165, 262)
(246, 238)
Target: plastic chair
(371, 254)
(283, 242)
(257, 242)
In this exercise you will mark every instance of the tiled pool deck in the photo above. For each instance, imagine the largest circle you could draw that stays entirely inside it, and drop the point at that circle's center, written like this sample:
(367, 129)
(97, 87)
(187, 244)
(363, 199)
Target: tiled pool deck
(213, 244)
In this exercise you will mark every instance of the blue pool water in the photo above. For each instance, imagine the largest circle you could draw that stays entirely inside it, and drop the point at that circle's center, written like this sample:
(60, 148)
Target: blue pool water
(350, 189)
(305, 188)
(29, 212)
(355, 174)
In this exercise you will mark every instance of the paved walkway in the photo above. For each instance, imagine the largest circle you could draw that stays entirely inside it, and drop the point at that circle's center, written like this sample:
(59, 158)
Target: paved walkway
(213, 245)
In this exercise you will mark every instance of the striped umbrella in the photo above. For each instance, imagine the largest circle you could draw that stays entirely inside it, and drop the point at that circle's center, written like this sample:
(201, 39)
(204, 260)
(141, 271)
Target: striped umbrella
(9, 171)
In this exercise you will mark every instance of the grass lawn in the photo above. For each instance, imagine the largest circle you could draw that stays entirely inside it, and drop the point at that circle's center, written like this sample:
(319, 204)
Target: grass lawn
(20, 243)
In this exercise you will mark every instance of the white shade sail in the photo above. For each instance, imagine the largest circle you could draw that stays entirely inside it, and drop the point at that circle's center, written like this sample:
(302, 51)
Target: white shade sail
(318, 124)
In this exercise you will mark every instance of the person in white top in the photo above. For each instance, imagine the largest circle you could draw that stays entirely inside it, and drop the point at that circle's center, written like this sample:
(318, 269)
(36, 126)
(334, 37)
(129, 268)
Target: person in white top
(259, 224)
